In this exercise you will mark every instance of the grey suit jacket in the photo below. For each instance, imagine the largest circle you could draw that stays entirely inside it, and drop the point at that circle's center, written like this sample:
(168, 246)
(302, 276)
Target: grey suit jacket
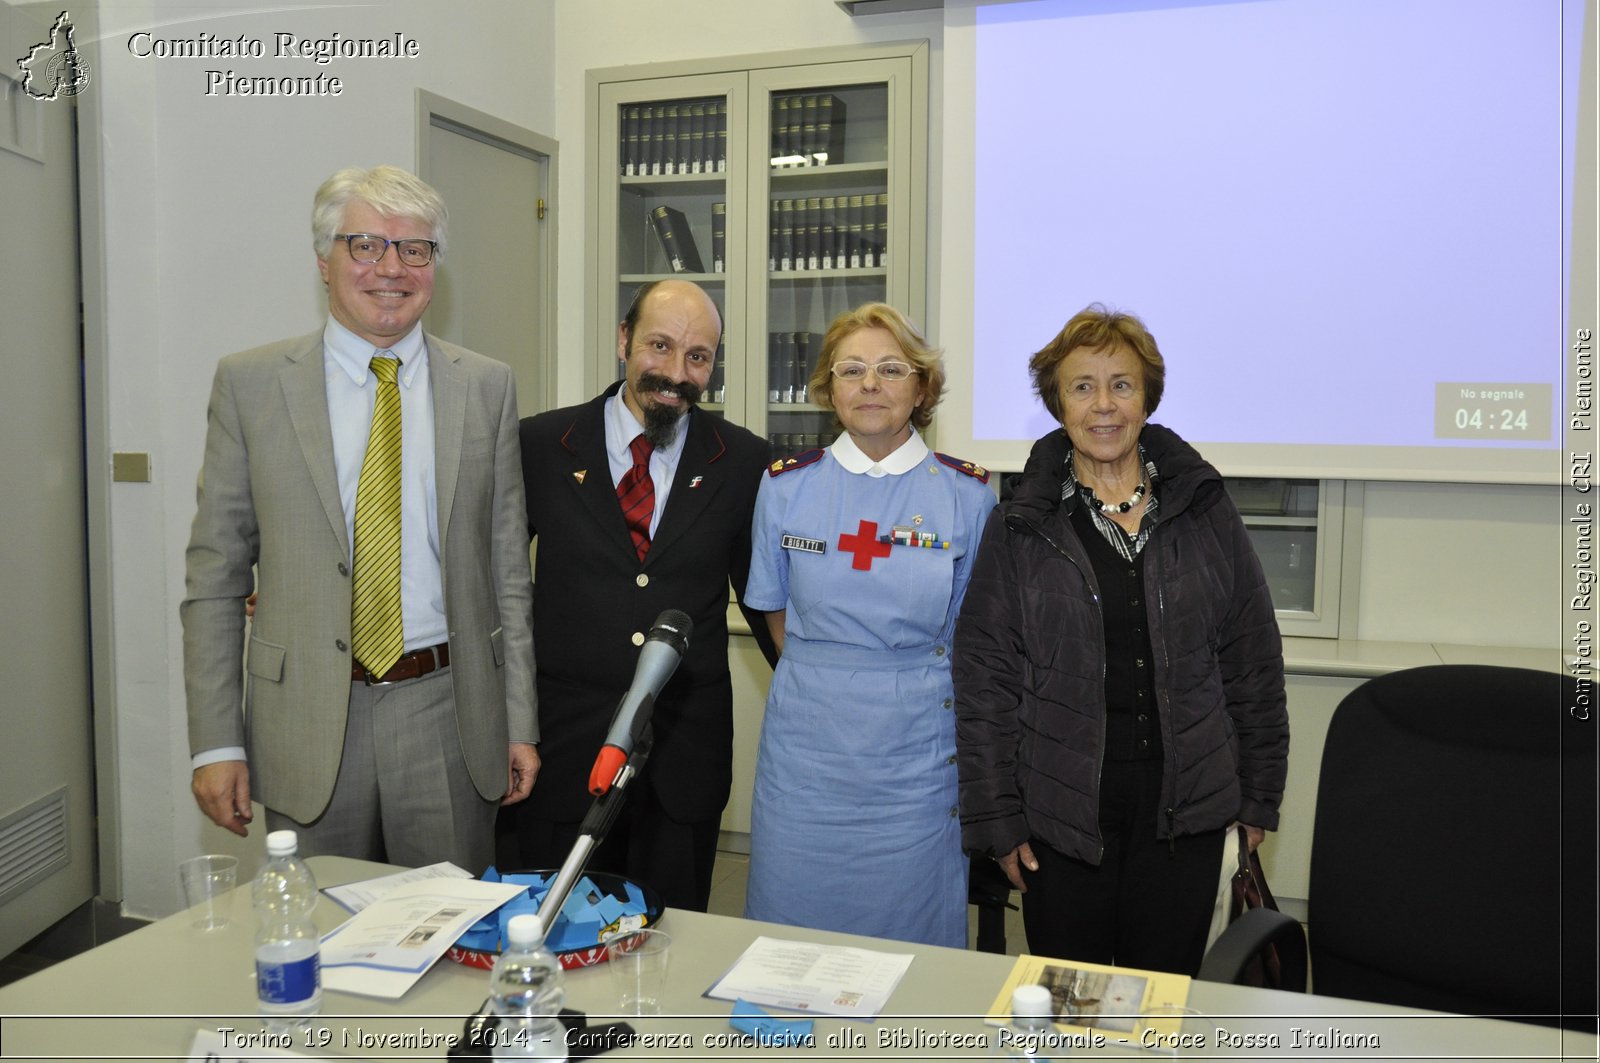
(268, 499)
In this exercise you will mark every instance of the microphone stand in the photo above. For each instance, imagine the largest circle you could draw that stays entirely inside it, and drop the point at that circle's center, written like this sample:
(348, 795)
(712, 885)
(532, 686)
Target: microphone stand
(602, 814)
(583, 1041)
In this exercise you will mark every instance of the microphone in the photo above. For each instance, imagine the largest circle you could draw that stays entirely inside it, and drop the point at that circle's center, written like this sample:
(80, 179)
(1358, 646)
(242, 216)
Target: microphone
(658, 659)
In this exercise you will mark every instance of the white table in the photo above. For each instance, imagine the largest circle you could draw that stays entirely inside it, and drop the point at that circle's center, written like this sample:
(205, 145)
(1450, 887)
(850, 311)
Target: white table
(145, 994)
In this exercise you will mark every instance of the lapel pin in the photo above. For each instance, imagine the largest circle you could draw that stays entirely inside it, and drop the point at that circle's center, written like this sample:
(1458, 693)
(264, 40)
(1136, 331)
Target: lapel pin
(580, 474)
(695, 482)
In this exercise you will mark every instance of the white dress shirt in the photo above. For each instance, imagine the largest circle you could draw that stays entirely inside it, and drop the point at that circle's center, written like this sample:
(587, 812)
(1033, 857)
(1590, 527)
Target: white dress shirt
(352, 393)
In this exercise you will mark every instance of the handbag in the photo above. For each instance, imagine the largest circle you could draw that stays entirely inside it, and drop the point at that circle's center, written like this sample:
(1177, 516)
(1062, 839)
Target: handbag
(1250, 890)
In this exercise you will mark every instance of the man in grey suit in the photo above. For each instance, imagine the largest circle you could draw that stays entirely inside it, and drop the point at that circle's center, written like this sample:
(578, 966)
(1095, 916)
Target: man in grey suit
(365, 482)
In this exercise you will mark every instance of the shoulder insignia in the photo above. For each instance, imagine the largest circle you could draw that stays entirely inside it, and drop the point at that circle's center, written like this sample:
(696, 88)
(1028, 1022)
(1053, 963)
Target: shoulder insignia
(795, 461)
(977, 472)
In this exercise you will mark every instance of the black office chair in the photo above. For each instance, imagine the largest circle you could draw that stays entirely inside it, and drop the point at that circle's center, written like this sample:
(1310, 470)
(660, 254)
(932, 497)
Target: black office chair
(1247, 938)
(1453, 857)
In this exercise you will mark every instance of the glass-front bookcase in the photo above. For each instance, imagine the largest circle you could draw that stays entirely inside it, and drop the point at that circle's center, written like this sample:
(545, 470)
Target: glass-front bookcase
(786, 185)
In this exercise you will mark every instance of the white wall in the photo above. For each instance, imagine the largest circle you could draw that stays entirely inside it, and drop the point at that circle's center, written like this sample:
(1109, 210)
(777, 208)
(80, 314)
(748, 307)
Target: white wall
(1462, 563)
(207, 251)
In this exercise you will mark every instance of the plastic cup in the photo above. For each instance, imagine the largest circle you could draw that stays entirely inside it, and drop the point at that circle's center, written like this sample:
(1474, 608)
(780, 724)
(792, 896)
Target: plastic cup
(638, 962)
(207, 881)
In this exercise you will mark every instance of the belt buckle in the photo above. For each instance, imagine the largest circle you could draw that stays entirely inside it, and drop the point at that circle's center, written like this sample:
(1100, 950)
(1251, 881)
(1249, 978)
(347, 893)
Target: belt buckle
(378, 681)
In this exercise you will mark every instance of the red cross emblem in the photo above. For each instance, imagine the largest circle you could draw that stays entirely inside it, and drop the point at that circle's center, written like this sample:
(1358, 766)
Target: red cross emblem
(865, 545)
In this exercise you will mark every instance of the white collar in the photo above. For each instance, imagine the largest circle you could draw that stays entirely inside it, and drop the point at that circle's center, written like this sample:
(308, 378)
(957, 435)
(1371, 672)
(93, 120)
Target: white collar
(903, 459)
(352, 354)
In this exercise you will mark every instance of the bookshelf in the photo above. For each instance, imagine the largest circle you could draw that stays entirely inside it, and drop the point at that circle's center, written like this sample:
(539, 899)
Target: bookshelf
(795, 182)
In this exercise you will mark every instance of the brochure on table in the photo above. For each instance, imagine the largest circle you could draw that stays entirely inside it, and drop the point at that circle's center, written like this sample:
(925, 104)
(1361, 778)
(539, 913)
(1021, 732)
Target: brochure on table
(818, 979)
(387, 946)
(1098, 1006)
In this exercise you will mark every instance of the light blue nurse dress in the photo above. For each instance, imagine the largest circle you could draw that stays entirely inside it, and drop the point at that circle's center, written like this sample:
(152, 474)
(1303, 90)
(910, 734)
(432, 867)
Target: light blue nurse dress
(854, 824)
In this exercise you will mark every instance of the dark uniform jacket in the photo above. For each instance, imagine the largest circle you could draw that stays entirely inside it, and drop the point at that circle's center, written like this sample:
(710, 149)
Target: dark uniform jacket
(594, 601)
(1030, 664)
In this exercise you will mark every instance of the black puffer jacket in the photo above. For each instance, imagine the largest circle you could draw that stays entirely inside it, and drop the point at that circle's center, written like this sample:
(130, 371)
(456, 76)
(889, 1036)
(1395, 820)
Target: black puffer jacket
(1029, 665)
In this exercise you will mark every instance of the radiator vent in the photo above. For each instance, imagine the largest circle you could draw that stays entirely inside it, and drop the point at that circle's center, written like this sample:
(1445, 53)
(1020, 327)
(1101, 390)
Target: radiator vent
(33, 843)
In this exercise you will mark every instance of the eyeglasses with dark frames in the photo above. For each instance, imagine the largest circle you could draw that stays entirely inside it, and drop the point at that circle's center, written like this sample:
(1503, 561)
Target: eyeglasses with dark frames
(367, 248)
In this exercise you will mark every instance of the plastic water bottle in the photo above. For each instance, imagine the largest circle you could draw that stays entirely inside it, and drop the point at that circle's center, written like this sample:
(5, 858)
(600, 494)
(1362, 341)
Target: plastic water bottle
(1028, 1034)
(288, 953)
(526, 990)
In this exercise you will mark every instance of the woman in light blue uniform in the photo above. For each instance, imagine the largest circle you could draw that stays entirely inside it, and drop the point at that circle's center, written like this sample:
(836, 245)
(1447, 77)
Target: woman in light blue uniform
(861, 556)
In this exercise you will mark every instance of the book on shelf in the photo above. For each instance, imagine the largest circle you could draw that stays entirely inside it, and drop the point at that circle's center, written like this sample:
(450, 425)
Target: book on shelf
(780, 357)
(851, 243)
(774, 227)
(630, 141)
(813, 244)
(868, 230)
(807, 129)
(784, 444)
(1097, 1005)
(721, 125)
(880, 247)
(828, 146)
(789, 366)
(791, 140)
(780, 131)
(826, 232)
(719, 237)
(686, 148)
(794, 379)
(786, 234)
(697, 138)
(650, 138)
(828, 249)
(669, 138)
(716, 387)
(673, 138)
(802, 366)
(672, 229)
(638, 134)
(869, 233)
(774, 359)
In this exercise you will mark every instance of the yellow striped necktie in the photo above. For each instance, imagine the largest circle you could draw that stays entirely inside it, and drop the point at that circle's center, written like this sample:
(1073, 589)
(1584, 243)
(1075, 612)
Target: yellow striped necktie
(377, 634)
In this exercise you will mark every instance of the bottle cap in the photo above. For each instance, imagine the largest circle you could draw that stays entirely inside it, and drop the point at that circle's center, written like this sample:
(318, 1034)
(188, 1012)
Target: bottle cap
(524, 931)
(282, 843)
(1032, 1001)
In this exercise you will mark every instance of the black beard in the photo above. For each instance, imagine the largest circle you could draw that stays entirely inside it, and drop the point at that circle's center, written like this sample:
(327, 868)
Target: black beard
(661, 421)
(660, 425)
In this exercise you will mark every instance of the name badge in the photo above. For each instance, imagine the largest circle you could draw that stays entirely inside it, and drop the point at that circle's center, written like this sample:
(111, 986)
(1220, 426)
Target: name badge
(809, 546)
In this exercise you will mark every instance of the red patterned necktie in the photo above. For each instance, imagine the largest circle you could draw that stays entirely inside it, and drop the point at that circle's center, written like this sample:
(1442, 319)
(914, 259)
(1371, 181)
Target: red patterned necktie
(637, 493)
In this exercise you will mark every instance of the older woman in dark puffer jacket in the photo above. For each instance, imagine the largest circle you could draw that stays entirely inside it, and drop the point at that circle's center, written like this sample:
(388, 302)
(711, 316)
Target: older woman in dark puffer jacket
(1118, 669)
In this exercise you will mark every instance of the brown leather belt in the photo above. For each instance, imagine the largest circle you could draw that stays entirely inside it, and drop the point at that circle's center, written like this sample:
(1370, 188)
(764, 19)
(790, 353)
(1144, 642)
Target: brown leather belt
(411, 666)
